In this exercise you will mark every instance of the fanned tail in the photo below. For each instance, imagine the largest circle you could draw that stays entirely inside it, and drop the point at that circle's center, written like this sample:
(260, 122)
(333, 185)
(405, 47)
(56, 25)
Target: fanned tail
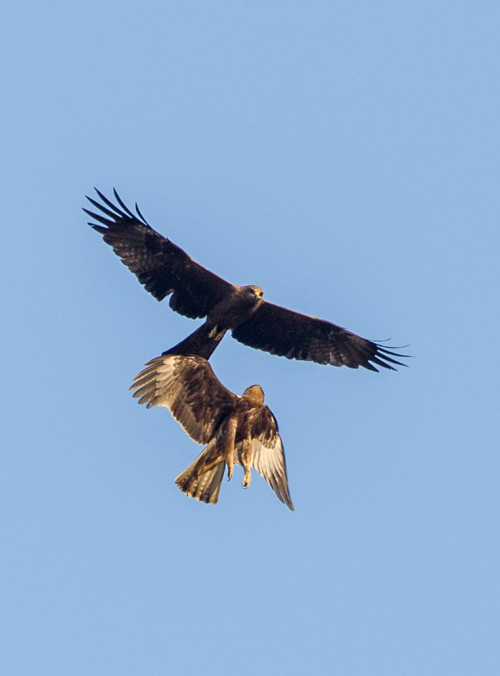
(201, 343)
(203, 478)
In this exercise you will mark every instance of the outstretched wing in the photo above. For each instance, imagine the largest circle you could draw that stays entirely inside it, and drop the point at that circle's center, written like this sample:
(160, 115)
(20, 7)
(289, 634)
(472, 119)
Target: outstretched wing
(161, 266)
(268, 455)
(293, 335)
(189, 388)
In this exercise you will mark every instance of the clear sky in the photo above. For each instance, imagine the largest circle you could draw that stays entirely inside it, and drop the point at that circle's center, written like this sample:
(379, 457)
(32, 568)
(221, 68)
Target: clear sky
(345, 157)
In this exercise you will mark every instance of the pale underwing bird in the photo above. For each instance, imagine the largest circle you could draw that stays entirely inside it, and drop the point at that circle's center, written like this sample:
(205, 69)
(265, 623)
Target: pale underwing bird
(166, 270)
(236, 430)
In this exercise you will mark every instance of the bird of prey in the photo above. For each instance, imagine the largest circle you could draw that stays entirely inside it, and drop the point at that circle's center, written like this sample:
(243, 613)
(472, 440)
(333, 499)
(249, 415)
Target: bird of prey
(166, 270)
(237, 430)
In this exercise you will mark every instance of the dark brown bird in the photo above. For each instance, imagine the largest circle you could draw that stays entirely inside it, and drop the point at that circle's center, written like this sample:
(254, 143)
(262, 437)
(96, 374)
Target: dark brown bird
(166, 270)
(237, 430)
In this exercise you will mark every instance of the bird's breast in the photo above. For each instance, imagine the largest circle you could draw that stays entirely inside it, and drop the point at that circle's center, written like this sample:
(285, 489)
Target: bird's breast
(232, 310)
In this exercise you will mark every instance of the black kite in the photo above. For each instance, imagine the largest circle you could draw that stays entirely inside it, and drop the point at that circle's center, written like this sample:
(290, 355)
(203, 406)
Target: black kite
(165, 269)
(241, 430)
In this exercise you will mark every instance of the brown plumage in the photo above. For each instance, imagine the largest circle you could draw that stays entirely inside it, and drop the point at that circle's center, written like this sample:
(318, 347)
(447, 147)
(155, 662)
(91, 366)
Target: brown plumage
(166, 270)
(236, 430)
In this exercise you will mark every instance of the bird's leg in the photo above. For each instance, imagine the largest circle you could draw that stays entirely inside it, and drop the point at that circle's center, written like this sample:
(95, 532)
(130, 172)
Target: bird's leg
(229, 471)
(208, 465)
(208, 459)
(245, 457)
(229, 458)
(247, 478)
(228, 442)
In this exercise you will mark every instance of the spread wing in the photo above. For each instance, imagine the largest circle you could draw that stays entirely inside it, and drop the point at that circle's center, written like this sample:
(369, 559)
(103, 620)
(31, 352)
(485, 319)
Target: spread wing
(189, 388)
(293, 335)
(268, 455)
(161, 266)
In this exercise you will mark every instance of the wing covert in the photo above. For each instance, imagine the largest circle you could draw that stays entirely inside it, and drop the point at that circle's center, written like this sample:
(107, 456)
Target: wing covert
(188, 387)
(290, 334)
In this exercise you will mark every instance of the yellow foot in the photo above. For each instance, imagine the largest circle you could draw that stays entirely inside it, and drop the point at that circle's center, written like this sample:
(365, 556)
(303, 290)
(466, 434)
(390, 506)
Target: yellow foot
(229, 472)
(246, 480)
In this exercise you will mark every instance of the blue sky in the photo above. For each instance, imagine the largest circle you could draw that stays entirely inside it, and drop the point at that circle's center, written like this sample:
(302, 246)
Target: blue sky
(344, 157)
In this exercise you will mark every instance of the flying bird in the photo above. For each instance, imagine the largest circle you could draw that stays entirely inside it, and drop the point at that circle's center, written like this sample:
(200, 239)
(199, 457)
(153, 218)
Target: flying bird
(236, 430)
(166, 270)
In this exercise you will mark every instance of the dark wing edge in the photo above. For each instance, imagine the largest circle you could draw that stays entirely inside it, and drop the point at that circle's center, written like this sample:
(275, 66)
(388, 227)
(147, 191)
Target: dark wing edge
(161, 266)
(268, 455)
(293, 335)
(189, 388)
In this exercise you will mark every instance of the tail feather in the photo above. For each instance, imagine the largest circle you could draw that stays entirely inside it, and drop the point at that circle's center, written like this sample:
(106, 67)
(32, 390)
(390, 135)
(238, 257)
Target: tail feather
(200, 483)
(201, 342)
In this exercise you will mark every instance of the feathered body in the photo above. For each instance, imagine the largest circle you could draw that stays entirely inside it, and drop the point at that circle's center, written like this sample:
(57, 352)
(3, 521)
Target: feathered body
(236, 429)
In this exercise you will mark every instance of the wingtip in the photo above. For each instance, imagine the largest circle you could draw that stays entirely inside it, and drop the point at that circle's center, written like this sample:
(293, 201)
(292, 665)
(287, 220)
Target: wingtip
(385, 355)
(99, 193)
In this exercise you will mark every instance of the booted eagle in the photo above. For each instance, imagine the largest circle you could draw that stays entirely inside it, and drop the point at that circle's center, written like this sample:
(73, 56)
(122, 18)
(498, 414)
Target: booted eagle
(166, 270)
(237, 430)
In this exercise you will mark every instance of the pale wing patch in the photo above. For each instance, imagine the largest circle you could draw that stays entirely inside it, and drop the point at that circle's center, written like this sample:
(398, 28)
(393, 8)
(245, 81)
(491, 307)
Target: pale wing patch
(269, 461)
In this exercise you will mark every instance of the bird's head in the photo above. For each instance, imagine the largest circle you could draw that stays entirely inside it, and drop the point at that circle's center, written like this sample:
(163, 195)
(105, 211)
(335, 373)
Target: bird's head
(253, 292)
(254, 394)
